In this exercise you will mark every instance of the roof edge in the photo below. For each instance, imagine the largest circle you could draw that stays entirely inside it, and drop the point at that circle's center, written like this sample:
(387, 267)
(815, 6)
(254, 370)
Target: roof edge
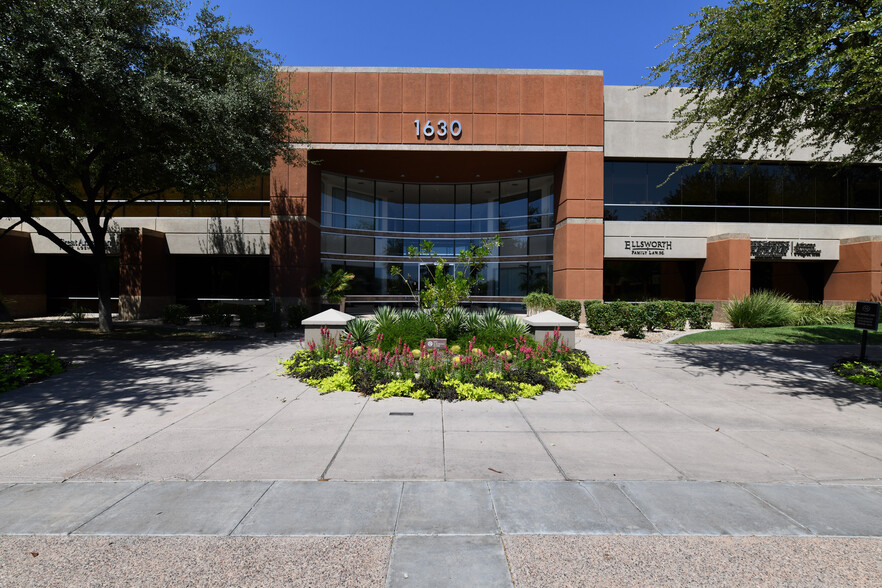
(444, 70)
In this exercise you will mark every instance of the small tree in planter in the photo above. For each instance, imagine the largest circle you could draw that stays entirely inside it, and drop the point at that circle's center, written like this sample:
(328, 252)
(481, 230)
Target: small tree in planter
(334, 286)
(444, 289)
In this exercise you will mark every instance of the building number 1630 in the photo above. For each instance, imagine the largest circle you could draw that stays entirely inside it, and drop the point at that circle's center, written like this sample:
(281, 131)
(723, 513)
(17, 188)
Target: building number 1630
(428, 130)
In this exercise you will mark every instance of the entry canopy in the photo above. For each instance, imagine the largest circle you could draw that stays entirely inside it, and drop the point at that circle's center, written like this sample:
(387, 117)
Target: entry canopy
(328, 318)
(549, 318)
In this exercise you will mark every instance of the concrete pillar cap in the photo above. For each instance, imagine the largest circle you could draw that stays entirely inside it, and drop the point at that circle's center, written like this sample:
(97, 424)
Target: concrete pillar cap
(328, 318)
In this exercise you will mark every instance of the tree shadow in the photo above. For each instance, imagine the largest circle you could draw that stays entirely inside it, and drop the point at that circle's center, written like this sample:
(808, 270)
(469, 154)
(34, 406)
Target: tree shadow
(796, 370)
(124, 375)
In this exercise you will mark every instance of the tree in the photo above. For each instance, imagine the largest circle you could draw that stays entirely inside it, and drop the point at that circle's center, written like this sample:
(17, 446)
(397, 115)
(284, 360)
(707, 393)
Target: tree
(101, 105)
(761, 78)
(334, 286)
(445, 288)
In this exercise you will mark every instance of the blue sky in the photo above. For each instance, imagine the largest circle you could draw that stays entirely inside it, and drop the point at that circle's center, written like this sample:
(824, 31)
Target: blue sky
(616, 37)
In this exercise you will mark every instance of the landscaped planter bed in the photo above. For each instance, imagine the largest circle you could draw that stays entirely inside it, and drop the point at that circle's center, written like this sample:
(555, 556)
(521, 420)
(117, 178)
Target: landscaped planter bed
(521, 369)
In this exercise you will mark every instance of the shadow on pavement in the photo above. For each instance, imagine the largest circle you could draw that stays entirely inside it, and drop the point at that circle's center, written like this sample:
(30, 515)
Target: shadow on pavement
(109, 376)
(796, 370)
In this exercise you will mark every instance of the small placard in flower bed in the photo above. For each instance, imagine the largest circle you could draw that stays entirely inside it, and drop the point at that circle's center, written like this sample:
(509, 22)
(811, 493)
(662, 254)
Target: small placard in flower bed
(436, 343)
(521, 369)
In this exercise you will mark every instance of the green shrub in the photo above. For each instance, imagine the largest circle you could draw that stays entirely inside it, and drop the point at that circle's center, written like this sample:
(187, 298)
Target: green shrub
(618, 310)
(598, 318)
(511, 327)
(361, 331)
(635, 319)
(296, 314)
(761, 309)
(539, 301)
(572, 309)
(822, 314)
(653, 315)
(700, 314)
(176, 314)
(491, 318)
(248, 315)
(215, 315)
(18, 369)
(673, 315)
(410, 328)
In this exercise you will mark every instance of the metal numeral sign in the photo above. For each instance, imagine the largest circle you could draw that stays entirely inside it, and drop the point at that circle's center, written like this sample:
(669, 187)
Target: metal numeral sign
(440, 129)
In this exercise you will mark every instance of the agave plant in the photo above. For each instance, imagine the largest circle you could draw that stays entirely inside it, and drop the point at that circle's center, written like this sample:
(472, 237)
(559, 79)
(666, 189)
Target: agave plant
(472, 322)
(455, 320)
(385, 317)
(512, 326)
(361, 330)
(491, 318)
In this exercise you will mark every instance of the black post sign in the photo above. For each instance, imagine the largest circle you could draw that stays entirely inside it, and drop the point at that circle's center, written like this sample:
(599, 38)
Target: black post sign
(866, 317)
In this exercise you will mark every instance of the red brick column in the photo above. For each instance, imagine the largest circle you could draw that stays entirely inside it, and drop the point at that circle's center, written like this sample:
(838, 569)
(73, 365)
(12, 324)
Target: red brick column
(146, 274)
(295, 209)
(726, 271)
(858, 274)
(578, 235)
(23, 276)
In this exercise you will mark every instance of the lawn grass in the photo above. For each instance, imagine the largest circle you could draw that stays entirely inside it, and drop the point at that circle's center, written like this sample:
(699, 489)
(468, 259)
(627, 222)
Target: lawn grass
(121, 331)
(809, 334)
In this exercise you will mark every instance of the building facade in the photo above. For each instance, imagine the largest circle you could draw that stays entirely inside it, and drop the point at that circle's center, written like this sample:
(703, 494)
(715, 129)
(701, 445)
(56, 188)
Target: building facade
(577, 179)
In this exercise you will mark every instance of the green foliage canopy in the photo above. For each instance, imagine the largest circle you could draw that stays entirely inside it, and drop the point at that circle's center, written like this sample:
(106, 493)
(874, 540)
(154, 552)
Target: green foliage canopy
(761, 78)
(103, 102)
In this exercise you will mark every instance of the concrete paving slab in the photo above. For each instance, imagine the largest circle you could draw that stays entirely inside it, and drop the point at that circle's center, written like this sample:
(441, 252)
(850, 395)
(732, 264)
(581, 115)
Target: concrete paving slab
(564, 416)
(248, 408)
(446, 508)
(827, 510)
(546, 507)
(713, 456)
(483, 416)
(606, 456)
(390, 455)
(311, 412)
(448, 561)
(812, 454)
(622, 516)
(172, 454)
(280, 454)
(55, 509)
(497, 456)
(654, 417)
(324, 508)
(178, 508)
(400, 415)
(707, 508)
(59, 458)
(727, 415)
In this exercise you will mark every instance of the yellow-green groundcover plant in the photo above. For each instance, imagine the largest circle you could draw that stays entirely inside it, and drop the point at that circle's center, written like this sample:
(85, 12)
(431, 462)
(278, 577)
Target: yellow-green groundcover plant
(520, 370)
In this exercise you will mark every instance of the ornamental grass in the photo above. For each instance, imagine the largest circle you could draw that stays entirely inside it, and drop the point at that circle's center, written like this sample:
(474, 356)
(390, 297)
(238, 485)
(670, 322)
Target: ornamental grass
(521, 368)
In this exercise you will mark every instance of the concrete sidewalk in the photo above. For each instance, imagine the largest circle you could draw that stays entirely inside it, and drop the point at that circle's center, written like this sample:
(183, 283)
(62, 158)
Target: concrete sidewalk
(671, 448)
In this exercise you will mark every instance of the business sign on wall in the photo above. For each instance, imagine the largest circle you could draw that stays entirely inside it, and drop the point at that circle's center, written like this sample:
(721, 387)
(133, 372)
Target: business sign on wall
(791, 250)
(654, 247)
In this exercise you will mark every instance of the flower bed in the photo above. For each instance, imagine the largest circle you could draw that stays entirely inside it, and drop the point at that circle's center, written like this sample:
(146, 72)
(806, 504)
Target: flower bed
(522, 369)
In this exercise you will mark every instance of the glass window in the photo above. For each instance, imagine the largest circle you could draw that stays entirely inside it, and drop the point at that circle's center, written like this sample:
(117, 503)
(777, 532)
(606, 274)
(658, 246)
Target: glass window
(513, 205)
(333, 243)
(363, 282)
(513, 246)
(733, 185)
(389, 206)
(485, 207)
(697, 187)
(359, 204)
(333, 201)
(629, 183)
(359, 245)
(541, 204)
(463, 208)
(541, 245)
(411, 208)
(863, 188)
(663, 183)
(385, 246)
(436, 208)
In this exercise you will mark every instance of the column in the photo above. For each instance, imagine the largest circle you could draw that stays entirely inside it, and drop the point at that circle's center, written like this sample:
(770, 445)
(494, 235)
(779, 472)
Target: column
(146, 274)
(726, 271)
(858, 273)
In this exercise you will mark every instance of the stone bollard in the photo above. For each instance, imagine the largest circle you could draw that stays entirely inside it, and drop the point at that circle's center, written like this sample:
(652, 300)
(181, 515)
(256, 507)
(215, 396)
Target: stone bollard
(546, 322)
(334, 320)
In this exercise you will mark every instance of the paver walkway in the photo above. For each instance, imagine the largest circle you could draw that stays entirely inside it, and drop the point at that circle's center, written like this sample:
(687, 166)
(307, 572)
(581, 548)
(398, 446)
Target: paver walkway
(671, 447)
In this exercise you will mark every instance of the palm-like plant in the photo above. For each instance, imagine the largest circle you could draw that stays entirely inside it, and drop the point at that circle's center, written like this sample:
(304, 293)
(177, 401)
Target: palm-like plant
(385, 317)
(491, 318)
(361, 330)
(335, 285)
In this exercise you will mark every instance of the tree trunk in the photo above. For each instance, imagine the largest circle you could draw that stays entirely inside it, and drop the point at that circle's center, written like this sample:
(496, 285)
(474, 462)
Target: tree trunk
(343, 304)
(105, 320)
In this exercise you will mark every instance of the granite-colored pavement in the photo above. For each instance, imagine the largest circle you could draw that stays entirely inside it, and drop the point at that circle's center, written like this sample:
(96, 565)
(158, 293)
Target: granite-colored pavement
(673, 447)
